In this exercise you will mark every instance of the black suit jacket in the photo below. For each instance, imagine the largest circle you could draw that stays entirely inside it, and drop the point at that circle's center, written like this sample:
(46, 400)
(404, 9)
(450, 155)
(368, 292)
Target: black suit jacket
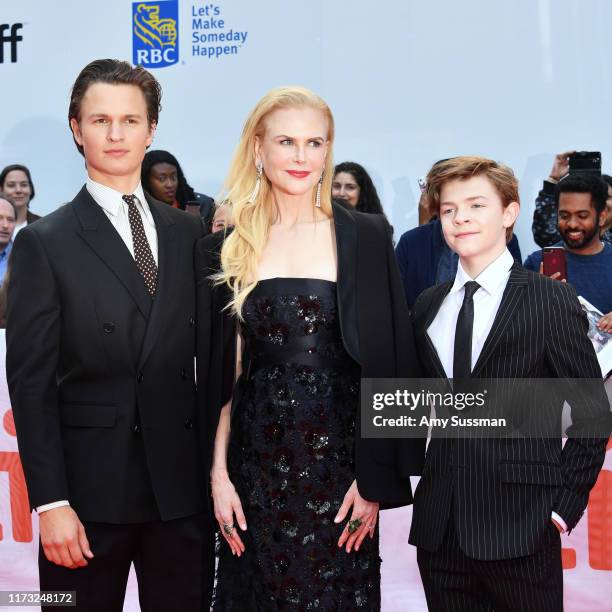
(500, 492)
(376, 331)
(101, 377)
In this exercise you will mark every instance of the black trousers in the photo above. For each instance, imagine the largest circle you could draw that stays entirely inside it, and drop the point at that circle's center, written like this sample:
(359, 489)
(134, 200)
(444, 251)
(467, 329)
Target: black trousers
(167, 557)
(454, 582)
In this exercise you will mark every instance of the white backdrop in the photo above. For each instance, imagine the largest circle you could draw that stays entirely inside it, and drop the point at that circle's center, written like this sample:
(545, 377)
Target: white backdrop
(409, 82)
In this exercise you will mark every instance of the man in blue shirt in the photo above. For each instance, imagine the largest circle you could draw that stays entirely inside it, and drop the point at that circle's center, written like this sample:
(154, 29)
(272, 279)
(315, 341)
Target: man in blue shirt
(581, 213)
(8, 217)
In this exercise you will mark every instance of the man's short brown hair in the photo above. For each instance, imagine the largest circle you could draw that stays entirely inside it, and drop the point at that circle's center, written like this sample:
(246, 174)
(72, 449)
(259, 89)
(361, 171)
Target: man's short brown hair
(466, 167)
(115, 72)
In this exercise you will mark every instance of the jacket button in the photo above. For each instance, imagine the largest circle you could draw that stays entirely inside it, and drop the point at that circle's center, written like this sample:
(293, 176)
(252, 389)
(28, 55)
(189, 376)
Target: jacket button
(136, 429)
(191, 321)
(140, 377)
(188, 424)
(109, 327)
(183, 373)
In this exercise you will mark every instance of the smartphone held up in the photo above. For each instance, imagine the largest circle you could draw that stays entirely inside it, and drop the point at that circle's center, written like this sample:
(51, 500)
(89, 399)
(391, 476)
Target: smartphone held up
(553, 262)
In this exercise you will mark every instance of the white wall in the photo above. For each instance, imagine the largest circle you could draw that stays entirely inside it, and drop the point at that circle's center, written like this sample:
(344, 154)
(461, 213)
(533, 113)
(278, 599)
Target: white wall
(409, 82)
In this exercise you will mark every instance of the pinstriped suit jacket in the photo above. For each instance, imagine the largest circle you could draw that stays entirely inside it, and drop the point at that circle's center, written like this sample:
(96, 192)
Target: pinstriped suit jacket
(500, 492)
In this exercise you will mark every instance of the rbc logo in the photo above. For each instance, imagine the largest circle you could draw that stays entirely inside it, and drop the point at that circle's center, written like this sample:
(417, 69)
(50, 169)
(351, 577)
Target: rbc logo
(155, 34)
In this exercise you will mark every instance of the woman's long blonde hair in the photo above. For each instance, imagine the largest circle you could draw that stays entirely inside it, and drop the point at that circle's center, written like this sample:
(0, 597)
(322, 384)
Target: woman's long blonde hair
(252, 220)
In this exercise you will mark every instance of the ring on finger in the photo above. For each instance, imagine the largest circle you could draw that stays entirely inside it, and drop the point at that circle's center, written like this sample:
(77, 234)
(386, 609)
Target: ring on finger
(228, 528)
(354, 525)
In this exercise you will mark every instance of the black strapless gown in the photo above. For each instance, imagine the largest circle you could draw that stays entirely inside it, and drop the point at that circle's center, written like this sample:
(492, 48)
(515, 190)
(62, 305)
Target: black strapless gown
(291, 460)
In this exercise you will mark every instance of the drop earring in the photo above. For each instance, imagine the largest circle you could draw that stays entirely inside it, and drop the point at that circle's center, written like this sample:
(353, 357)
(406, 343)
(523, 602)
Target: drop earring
(318, 197)
(255, 191)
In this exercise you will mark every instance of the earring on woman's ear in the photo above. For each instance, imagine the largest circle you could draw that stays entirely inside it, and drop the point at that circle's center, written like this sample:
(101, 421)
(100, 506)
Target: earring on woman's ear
(318, 198)
(255, 191)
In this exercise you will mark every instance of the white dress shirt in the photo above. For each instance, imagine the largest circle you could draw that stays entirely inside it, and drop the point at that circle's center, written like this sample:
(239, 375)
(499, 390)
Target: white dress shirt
(487, 299)
(116, 209)
(492, 280)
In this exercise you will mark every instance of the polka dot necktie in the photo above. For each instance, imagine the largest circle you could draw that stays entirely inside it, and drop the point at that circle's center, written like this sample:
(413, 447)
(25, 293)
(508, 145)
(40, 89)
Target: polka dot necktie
(142, 250)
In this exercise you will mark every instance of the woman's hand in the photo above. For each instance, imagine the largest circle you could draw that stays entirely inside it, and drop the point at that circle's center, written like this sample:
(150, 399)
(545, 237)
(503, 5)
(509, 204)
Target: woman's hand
(227, 505)
(363, 510)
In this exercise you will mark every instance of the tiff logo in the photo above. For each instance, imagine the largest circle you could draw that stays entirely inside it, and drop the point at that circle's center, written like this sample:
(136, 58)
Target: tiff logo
(12, 38)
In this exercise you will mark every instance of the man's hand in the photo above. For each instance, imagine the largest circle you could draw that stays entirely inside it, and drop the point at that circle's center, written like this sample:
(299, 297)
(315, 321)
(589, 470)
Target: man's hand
(63, 538)
(605, 323)
(561, 165)
(555, 276)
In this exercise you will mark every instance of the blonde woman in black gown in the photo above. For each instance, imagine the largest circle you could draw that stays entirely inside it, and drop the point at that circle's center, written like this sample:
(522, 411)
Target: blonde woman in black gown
(295, 490)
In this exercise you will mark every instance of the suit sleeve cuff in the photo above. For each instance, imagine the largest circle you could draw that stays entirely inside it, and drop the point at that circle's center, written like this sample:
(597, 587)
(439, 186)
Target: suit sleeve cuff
(559, 521)
(53, 505)
(549, 188)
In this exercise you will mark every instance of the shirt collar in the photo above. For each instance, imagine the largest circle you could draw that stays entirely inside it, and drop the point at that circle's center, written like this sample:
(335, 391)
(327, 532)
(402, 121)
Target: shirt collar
(494, 276)
(7, 250)
(111, 200)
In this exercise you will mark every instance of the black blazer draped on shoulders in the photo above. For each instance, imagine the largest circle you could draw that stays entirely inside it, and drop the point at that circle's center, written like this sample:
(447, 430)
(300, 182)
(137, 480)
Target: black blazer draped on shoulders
(376, 331)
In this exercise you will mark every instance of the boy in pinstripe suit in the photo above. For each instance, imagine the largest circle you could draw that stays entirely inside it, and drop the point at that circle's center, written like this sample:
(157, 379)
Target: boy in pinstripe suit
(488, 513)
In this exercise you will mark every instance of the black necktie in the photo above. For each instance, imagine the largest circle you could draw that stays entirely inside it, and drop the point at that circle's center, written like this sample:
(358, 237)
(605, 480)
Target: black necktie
(462, 356)
(145, 261)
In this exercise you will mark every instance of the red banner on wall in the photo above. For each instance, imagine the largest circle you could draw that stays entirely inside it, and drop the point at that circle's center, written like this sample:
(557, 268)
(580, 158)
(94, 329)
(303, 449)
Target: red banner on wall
(587, 552)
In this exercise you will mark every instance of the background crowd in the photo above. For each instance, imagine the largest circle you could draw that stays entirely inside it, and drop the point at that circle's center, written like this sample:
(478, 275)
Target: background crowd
(580, 223)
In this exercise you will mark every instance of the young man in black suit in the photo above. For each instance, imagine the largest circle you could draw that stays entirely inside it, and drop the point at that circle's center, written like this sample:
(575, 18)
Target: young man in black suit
(100, 365)
(488, 512)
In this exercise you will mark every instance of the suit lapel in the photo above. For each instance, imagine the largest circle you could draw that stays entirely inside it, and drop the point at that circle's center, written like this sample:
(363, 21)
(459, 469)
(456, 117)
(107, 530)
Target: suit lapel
(346, 285)
(100, 235)
(511, 299)
(167, 249)
(439, 293)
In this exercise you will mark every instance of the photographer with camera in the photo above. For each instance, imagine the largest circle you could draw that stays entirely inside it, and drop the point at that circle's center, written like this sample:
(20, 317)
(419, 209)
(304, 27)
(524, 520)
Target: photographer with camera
(580, 210)
(544, 227)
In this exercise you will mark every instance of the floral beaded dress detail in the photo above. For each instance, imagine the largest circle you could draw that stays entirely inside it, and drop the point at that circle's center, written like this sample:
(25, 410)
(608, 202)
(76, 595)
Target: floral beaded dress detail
(290, 458)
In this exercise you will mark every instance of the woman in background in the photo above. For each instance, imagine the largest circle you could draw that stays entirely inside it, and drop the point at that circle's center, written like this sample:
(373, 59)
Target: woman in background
(222, 218)
(353, 185)
(162, 177)
(16, 182)
(288, 298)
